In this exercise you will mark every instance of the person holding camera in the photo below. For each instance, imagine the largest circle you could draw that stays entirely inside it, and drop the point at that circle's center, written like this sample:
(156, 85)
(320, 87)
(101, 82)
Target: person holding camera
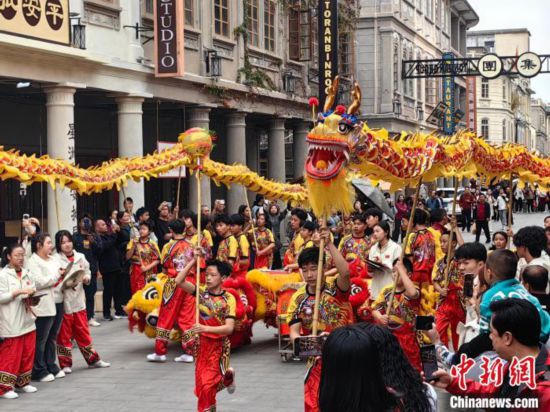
(89, 244)
(31, 229)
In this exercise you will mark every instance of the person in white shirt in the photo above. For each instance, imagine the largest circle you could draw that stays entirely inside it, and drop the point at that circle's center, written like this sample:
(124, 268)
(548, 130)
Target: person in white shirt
(17, 329)
(502, 205)
(75, 320)
(530, 242)
(384, 251)
(46, 272)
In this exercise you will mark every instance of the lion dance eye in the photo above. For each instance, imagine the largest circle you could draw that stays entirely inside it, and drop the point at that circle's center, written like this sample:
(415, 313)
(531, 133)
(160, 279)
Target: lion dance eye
(344, 128)
(355, 289)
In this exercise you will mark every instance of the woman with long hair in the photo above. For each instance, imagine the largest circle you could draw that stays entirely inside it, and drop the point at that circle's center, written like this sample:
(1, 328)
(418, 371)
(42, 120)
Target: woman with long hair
(274, 218)
(75, 321)
(384, 252)
(265, 242)
(500, 240)
(401, 208)
(17, 328)
(47, 273)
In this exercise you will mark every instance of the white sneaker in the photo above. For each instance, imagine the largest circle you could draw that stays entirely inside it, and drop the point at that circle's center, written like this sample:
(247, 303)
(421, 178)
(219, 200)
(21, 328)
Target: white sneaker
(67, 370)
(93, 322)
(184, 358)
(48, 378)
(27, 389)
(60, 374)
(153, 357)
(99, 364)
(10, 395)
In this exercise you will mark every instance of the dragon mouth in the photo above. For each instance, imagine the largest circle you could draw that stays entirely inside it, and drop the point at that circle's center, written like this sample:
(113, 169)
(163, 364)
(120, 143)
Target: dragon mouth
(324, 161)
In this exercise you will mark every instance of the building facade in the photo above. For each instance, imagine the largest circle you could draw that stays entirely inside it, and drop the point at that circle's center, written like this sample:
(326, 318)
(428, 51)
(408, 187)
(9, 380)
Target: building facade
(391, 31)
(503, 104)
(96, 97)
(540, 118)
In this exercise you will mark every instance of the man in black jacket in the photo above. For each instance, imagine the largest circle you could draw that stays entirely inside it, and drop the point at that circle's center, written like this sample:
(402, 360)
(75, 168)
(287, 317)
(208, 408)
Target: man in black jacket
(482, 216)
(110, 265)
(89, 244)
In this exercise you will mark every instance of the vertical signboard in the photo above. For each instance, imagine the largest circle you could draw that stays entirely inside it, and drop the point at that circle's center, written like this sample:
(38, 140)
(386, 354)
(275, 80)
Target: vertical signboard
(328, 45)
(449, 98)
(169, 40)
(471, 104)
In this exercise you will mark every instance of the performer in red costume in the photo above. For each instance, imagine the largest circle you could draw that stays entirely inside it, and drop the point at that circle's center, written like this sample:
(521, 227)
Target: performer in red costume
(265, 243)
(243, 262)
(17, 329)
(175, 304)
(75, 321)
(334, 308)
(144, 256)
(403, 313)
(190, 219)
(451, 309)
(356, 245)
(228, 248)
(216, 323)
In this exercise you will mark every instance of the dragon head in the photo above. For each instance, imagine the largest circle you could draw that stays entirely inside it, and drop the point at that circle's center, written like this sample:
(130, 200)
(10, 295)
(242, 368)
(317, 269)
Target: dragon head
(330, 141)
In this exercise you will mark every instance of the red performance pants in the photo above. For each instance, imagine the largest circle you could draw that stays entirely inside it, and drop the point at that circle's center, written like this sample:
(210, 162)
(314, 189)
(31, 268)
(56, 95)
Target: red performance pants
(75, 326)
(16, 359)
(447, 317)
(311, 385)
(177, 307)
(409, 343)
(211, 364)
(137, 278)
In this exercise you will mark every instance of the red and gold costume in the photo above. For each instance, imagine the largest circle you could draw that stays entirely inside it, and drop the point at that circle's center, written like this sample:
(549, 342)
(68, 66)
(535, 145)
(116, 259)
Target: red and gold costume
(294, 248)
(422, 248)
(334, 311)
(145, 253)
(264, 238)
(451, 308)
(206, 241)
(228, 249)
(401, 322)
(243, 253)
(212, 357)
(177, 306)
(352, 247)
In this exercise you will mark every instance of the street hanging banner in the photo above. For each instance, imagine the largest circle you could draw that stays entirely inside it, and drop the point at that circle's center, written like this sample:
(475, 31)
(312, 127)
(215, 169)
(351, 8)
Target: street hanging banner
(169, 38)
(328, 45)
(449, 98)
(38, 19)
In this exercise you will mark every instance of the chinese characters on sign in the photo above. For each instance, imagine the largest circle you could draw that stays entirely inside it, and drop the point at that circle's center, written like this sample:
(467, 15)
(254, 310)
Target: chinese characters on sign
(449, 98)
(490, 66)
(529, 64)
(328, 45)
(41, 19)
(169, 41)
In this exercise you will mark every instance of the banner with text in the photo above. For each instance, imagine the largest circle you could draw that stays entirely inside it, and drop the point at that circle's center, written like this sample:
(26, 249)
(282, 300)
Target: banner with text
(449, 98)
(328, 46)
(169, 40)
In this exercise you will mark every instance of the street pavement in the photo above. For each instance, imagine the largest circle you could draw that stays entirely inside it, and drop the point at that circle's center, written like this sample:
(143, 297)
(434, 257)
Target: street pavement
(264, 382)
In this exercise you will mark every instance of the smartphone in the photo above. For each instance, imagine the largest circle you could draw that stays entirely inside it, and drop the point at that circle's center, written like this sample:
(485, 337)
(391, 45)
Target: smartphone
(305, 346)
(468, 285)
(424, 322)
(26, 216)
(428, 357)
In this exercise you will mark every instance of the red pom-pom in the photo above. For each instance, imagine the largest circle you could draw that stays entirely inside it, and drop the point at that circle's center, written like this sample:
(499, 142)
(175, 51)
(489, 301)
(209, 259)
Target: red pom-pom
(340, 109)
(313, 101)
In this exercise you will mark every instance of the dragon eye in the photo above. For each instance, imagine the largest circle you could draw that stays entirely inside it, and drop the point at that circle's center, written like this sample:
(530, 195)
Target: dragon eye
(344, 128)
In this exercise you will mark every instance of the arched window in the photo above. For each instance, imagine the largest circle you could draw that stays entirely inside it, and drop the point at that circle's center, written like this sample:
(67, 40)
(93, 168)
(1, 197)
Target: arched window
(485, 128)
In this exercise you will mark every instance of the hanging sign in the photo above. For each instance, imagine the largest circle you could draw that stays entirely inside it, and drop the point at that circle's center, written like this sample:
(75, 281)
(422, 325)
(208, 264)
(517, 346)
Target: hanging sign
(169, 40)
(328, 45)
(39, 19)
(449, 98)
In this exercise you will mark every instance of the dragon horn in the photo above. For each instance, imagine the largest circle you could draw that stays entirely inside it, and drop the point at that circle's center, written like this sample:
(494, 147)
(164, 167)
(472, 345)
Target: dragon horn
(329, 100)
(356, 96)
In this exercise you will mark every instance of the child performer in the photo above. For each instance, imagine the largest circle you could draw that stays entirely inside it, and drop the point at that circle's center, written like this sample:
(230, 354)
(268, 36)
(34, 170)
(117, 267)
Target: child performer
(243, 261)
(356, 245)
(144, 255)
(265, 241)
(403, 312)
(216, 323)
(17, 328)
(228, 248)
(334, 308)
(451, 309)
(307, 231)
(75, 321)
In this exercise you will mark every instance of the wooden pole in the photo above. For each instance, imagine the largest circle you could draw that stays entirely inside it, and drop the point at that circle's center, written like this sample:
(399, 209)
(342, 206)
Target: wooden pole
(510, 206)
(251, 219)
(404, 244)
(178, 192)
(320, 270)
(451, 236)
(56, 210)
(199, 233)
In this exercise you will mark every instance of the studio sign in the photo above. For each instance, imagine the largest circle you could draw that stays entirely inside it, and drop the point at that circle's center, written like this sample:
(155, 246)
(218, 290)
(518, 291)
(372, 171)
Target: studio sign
(40, 19)
(168, 38)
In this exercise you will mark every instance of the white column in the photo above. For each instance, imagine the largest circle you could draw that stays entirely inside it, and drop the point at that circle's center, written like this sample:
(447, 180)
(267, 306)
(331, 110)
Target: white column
(299, 147)
(276, 154)
(130, 142)
(61, 135)
(198, 117)
(236, 153)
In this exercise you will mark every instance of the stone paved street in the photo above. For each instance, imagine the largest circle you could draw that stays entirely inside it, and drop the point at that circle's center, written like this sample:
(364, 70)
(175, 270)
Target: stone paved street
(264, 383)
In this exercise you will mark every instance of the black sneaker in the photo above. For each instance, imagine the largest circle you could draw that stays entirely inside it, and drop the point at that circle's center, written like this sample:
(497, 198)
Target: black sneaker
(108, 318)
